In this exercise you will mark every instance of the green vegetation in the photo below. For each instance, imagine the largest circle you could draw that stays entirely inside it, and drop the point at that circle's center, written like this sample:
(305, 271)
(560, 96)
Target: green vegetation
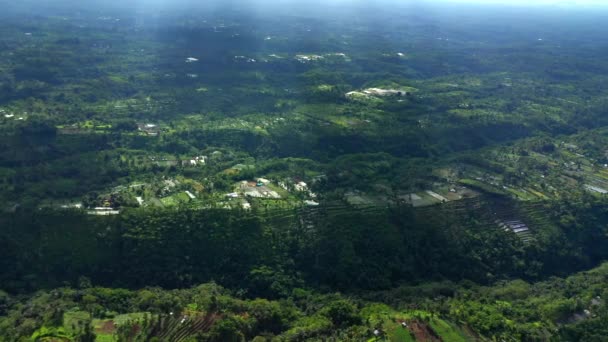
(204, 174)
(563, 308)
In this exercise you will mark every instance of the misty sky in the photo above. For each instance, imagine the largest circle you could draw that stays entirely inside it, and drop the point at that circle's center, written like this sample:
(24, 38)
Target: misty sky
(537, 2)
(312, 3)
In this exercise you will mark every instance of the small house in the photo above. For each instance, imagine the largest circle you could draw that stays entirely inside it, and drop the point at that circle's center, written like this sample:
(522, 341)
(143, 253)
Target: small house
(301, 186)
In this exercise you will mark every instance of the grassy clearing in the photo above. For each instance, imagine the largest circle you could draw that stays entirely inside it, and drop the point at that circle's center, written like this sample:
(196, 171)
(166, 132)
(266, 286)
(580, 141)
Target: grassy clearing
(105, 338)
(75, 321)
(521, 194)
(102, 333)
(483, 187)
(446, 331)
(176, 199)
(538, 194)
(282, 192)
(397, 333)
(136, 316)
(390, 321)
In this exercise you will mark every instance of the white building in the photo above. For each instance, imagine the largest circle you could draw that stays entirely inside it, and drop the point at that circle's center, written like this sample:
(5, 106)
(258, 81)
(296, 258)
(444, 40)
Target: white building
(104, 211)
(301, 186)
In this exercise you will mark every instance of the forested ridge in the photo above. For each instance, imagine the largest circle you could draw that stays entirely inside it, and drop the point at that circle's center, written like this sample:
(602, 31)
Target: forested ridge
(281, 256)
(564, 309)
(338, 247)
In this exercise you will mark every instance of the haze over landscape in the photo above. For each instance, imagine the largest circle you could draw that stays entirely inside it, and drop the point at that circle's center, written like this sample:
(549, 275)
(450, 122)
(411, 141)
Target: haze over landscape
(288, 170)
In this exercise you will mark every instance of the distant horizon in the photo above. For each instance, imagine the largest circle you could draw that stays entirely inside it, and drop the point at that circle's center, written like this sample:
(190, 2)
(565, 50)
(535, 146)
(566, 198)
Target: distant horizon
(328, 7)
(533, 3)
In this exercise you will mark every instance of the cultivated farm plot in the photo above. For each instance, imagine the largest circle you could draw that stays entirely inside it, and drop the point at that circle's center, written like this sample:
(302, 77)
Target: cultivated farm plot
(397, 333)
(521, 194)
(421, 326)
(538, 193)
(422, 199)
(365, 199)
(447, 331)
(104, 330)
(419, 331)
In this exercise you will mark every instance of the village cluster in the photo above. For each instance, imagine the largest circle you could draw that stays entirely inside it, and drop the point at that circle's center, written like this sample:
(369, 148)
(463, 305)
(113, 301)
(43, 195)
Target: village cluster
(170, 191)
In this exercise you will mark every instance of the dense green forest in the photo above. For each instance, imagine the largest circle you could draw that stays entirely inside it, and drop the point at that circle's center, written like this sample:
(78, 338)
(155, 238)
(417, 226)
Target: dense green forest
(442, 270)
(254, 171)
(268, 253)
(569, 309)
